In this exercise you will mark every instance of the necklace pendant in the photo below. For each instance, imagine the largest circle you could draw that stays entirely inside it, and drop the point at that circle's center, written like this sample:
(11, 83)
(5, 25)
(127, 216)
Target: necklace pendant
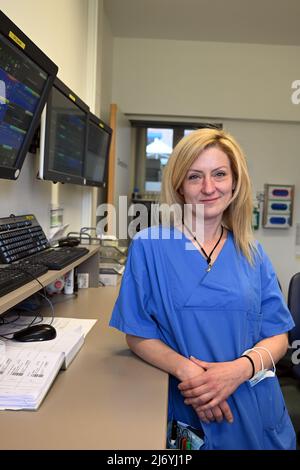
(208, 268)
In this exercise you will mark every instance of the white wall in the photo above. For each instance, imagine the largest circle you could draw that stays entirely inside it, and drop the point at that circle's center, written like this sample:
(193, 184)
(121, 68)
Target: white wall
(60, 29)
(186, 78)
(247, 87)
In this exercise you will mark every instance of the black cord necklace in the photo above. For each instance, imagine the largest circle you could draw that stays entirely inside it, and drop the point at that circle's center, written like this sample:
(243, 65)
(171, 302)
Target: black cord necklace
(208, 257)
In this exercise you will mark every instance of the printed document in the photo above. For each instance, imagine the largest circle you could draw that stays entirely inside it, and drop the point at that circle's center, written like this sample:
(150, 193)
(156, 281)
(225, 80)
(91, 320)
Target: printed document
(28, 369)
(25, 377)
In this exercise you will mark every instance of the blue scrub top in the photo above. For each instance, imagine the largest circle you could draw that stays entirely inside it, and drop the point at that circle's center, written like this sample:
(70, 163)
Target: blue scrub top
(167, 294)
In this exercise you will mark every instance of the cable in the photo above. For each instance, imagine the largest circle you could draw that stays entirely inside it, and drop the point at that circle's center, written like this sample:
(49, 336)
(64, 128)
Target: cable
(21, 268)
(18, 317)
(39, 293)
(22, 325)
(17, 266)
(51, 306)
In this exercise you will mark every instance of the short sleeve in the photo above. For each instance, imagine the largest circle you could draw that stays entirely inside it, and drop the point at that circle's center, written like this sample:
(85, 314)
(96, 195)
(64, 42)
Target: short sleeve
(276, 317)
(132, 312)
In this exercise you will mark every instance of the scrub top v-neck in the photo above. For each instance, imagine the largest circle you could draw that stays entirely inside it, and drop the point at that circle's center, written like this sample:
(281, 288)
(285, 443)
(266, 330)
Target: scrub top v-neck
(195, 245)
(167, 294)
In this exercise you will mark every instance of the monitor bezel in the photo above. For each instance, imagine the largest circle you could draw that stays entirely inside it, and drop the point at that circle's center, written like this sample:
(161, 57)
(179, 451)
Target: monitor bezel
(98, 122)
(49, 174)
(19, 40)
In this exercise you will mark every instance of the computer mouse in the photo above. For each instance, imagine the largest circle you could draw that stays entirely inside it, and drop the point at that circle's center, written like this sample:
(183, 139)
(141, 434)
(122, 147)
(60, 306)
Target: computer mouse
(41, 332)
(69, 242)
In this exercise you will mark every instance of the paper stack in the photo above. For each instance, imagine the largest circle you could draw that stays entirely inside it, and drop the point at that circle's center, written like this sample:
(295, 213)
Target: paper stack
(71, 333)
(28, 369)
(25, 377)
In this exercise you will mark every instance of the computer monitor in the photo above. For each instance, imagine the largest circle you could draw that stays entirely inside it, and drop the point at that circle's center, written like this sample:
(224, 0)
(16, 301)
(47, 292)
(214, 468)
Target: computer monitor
(95, 165)
(63, 136)
(26, 77)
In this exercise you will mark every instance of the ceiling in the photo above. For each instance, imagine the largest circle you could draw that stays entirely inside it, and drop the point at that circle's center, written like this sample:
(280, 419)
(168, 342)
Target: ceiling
(243, 21)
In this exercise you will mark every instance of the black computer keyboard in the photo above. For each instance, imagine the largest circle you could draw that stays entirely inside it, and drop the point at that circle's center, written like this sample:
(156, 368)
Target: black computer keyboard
(16, 275)
(59, 258)
(22, 238)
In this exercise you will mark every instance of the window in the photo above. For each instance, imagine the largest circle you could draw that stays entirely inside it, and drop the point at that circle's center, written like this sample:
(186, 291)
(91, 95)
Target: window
(154, 144)
(158, 149)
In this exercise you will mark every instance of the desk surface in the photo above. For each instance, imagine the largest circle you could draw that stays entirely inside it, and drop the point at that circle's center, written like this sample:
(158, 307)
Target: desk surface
(107, 398)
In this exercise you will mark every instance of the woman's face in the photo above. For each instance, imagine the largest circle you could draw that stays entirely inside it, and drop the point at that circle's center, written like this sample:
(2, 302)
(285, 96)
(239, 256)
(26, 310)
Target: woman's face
(209, 181)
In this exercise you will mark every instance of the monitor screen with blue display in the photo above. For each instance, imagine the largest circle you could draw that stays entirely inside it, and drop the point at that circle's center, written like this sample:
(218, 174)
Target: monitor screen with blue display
(96, 161)
(26, 77)
(64, 127)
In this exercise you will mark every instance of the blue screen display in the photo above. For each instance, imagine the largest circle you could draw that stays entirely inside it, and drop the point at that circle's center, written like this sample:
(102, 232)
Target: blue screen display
(66, 136)
(21, 85)
(98, 143)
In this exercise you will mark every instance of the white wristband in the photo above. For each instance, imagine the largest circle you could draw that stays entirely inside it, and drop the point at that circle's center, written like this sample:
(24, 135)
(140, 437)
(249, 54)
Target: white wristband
(271, 357)
(257, 352)
(263, 373)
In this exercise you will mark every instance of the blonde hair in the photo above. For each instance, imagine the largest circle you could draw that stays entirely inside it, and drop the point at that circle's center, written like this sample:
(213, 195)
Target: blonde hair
(238, 215)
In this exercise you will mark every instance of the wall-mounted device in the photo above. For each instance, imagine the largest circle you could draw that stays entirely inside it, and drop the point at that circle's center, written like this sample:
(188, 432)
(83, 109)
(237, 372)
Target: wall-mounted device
(96, 161)
(278, 206)
(26, 77)
(63, 135)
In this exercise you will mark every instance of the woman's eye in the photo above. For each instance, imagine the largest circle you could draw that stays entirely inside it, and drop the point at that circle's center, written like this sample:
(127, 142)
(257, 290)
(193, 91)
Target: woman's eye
(220, 174)
(193, 176)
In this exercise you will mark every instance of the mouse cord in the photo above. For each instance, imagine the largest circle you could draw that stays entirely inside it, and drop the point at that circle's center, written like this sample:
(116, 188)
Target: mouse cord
(16, 266)
(14, 321)
(34, 278)
(44, 295)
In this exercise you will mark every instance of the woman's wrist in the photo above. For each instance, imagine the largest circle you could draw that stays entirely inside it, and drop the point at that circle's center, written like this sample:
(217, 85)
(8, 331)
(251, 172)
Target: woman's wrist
(246, 368)
(186, 369)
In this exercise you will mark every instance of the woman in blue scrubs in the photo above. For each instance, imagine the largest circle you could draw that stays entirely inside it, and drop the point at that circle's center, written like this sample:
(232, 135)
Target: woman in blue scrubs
(207, 308)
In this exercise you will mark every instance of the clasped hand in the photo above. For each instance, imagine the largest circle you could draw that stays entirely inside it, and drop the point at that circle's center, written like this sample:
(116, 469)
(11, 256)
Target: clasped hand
(208, 392)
